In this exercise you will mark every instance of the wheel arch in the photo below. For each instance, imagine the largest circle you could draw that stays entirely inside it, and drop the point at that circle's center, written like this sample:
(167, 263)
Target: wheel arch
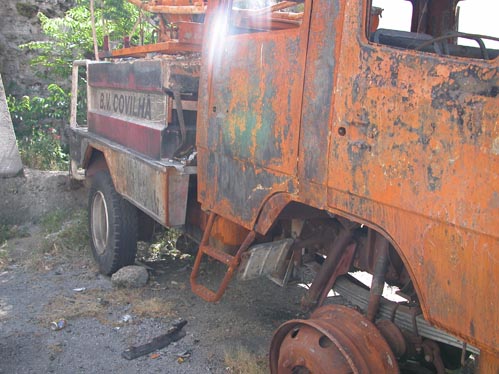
(383, 230)
(94, 161)
(274, 206)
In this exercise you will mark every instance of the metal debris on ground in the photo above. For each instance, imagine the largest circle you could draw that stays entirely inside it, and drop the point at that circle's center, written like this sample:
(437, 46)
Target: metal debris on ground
(181, 358)
(174, 334)
(79, 289)
(58, 324)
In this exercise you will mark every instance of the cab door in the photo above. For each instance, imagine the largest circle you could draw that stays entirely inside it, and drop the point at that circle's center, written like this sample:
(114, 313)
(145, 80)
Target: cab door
(414, 153)
(248, 130)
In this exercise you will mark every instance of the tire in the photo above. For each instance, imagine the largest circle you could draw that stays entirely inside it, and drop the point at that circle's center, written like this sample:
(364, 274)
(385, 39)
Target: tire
(112, 223)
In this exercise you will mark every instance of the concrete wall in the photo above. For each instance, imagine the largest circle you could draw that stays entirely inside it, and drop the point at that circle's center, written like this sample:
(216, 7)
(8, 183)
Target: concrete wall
(10, 161)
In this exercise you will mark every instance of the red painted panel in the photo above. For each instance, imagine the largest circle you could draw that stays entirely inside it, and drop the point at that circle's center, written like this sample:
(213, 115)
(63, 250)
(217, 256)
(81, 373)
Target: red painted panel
(139, 137)
(139, 75)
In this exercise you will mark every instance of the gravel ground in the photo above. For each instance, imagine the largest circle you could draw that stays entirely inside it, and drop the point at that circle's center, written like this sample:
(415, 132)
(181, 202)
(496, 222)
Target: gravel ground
(37, 287)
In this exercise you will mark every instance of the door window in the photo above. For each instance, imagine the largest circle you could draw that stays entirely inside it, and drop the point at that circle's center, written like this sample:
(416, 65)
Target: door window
(249, 16)
(466, 29)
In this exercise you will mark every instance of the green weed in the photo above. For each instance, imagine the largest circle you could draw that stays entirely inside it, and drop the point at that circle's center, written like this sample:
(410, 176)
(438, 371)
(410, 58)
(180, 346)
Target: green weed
(163, 247)
(11, 231)
(65, 233)
(52, 221)
(38, 123)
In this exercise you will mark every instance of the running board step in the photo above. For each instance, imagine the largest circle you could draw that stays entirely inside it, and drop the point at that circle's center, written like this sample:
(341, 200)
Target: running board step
(232, 263)
(272, 260)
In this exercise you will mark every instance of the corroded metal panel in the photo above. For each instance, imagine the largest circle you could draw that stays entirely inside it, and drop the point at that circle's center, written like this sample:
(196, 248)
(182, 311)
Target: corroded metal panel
(240, 188)
(176, 199)
(249, 130)
(134, 105)
(126, 104)
(404, 141)
(137, 75)
(181, 73)
(318, 105)
(256, 98)
(414, 153)
(158, 189)
(129, 102)
(190, 32)
(140, 137)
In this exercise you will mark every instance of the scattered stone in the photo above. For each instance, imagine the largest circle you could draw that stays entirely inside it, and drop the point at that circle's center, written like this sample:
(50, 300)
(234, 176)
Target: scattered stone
(126, 318)
(130, 277)
(102, 302)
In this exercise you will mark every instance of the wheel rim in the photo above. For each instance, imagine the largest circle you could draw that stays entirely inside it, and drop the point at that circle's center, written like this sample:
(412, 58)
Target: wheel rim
(100, 223)
(335, 339)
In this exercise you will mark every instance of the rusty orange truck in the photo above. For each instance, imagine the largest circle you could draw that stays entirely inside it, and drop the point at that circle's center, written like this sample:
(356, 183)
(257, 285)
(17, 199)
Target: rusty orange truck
(308, 134)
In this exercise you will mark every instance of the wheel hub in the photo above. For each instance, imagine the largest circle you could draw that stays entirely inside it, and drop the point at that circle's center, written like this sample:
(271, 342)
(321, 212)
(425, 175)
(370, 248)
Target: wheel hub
(335, 339)
(100, 222)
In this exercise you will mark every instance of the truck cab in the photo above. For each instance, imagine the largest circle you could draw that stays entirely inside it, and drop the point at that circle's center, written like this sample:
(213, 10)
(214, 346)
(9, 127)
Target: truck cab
(313, 135)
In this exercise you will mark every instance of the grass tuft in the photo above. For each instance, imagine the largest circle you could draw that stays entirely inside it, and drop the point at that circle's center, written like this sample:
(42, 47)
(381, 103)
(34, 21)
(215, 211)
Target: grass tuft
(245, 362)
(65, 238)
(96, 304)
(8, 232)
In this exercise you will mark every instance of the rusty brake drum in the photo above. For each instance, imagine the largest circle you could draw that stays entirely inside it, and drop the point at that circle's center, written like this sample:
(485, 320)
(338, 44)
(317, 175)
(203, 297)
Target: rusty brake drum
(336, 339)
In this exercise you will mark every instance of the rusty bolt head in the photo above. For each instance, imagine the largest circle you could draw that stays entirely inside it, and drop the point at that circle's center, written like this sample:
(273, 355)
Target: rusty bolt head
(300, 361)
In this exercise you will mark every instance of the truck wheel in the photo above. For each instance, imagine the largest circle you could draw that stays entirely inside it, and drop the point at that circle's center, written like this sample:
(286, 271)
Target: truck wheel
(112, 225)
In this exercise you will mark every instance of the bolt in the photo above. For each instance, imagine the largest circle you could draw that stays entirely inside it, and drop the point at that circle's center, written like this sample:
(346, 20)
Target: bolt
(427, 358)
(300, 361)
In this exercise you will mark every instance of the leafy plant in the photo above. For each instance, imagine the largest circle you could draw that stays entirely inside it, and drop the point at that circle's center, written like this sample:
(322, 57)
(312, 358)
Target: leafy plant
(5, 234)
(120, 18)
(29, 113)
(42, 150)
(70, 37)
(39, 121)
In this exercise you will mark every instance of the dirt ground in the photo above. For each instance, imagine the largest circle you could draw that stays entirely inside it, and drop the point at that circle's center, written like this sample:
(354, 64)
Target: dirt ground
(47, 273)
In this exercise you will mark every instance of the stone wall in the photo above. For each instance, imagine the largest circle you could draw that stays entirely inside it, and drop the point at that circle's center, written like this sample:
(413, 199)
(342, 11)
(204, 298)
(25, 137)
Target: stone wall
(19, 24)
